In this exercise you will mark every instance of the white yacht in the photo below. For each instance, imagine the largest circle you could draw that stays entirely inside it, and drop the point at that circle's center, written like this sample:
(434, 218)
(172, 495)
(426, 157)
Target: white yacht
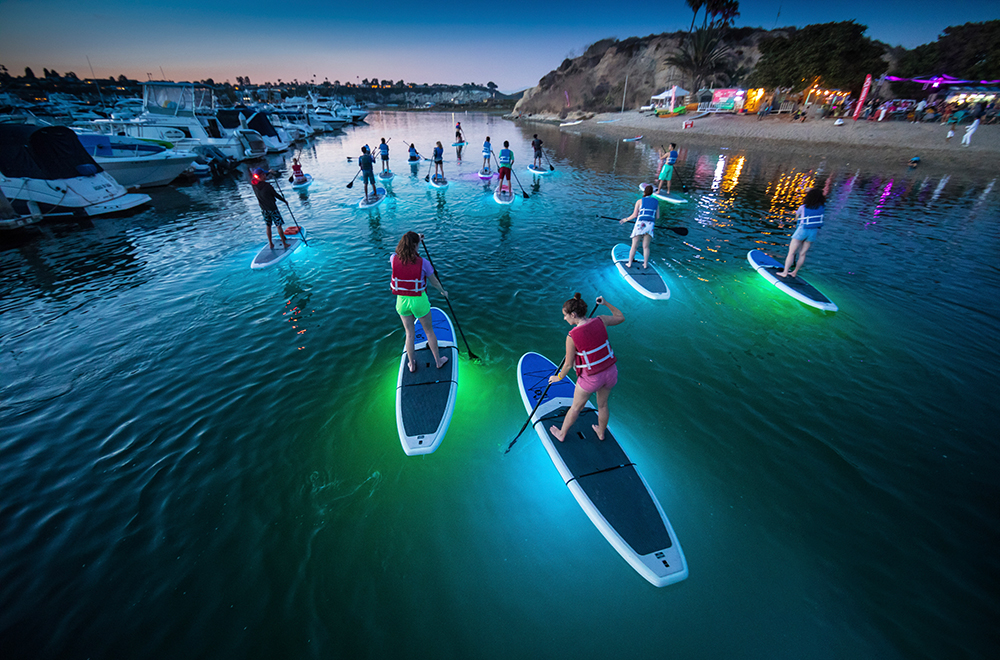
(135, 162)
(45, 171)
(240, 118)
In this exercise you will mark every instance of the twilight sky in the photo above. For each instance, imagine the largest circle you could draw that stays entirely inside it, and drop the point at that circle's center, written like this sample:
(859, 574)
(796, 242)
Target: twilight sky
(511, 43)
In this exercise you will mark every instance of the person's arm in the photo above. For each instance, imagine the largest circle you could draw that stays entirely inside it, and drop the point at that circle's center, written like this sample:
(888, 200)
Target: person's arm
(635, 212)
(276, 195)
(616, 314)
(567, 363)
(432, 278)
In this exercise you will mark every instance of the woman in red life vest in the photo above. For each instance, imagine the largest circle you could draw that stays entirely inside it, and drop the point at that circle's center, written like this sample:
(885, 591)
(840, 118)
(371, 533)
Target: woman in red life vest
(588, 350)
(299, 177)
(410, 275)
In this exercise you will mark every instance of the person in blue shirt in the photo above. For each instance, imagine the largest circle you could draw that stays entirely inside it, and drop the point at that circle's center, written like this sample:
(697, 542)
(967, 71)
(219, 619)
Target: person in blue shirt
(667, 172)
(645, 213)
(384, 150)
(487, 152)
(810, 219)
(414, 157)
(439, 159)
(506, 160)
(367, 165)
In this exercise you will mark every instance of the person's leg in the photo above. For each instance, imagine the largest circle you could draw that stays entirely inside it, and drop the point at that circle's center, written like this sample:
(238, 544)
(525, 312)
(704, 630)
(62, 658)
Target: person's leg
(602, 412)
(802, 257)
(792, 249)
(645, 250)
(670, 175)
(411, 353)
(269, 241)
(580, 397)
(427, 324)
(631, 252)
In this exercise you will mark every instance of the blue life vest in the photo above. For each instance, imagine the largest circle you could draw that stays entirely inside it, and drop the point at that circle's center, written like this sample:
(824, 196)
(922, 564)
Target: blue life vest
(384, 148)
(647, 209)
(672, 158)
(366, 162)
(811, 218)
(506, 157)
(438, 153)
(413, 152)
(487, 149)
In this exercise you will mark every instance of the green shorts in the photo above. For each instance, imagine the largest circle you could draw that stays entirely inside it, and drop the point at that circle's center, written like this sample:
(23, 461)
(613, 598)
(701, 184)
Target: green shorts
(416, 306)
(667, 172)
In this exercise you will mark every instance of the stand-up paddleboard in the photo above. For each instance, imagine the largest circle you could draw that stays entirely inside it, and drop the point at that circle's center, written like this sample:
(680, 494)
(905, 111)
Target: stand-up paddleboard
(414, 161)
(385, 177)
(304, 184)
(796, 287)
(534, 169)
(503, 197)
(438, 181)
(486, 173)
(459, 144)
(602, 478)
(608, 121)
(571, 123)
(632, 139)
(268, 257)
(372, 200)
(425, 399)
(646, 281)
(663, 197)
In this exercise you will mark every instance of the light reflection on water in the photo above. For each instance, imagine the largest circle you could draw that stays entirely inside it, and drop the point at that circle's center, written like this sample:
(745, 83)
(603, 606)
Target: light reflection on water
(209, 452)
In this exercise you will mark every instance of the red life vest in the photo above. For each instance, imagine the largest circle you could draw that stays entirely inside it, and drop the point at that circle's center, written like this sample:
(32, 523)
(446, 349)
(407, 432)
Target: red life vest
(297, 172)
(407, 279)
(593, 351)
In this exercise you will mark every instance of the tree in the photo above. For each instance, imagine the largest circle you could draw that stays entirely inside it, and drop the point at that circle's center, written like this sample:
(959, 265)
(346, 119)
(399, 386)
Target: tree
(970, 51)
(704, 57)
(836, 55)
(492, 86)
(122, 78)
(28, 73)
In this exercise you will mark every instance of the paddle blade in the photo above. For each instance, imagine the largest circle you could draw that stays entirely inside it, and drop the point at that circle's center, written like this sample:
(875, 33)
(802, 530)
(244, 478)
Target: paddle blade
(291, 179)
(350, 185)
(525, 195)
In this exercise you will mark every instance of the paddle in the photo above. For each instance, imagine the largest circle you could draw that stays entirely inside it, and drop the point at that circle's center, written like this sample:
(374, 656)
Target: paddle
(684, 186)
(429, 166)
(500, 183)
(544, 392)
(302, 234)
(551, 169)
(680, 231)
(472, 355)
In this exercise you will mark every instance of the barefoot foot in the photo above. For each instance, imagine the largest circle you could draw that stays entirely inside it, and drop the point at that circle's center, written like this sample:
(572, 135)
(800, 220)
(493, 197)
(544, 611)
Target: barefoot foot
(597, 430)
(442, 361)
(413, 367)
(557, 433)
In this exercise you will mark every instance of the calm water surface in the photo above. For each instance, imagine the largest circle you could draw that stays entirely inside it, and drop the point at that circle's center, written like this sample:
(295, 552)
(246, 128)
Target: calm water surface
(201, 461)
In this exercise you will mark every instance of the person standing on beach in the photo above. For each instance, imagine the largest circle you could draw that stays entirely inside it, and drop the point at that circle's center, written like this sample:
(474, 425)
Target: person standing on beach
(969, 130)
(266, 195)
(536, 144)
(667, 172)
(645, 213)
(810, 219)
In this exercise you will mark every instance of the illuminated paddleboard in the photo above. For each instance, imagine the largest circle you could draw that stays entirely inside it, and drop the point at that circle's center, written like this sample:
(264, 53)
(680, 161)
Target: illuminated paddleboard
(372, 201)
(646, 281)
(534, 169)
(505, 197)
(767, 267)
(268, 257)
(663, 197)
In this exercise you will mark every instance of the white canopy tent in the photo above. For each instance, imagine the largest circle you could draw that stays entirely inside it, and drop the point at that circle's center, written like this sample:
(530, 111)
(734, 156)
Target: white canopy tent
(673, 94)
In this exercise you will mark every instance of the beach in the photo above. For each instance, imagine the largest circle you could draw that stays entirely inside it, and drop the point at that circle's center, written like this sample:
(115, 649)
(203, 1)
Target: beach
(863, 142)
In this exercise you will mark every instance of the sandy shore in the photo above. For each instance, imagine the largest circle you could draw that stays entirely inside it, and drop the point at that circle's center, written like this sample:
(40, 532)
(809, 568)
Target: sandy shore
(871, 142)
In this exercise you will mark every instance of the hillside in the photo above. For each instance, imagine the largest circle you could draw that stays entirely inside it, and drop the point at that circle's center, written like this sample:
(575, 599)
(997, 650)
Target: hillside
(595, 81)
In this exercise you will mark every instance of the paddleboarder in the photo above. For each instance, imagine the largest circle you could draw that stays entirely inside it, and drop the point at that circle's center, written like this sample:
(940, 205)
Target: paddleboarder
(367, 165)
(439, 159)
(589, 352)
(667, 171)
(266, 196)
(413, 156)
(410, 274)
(645, 214)
(384, 150)
(536, 144)
(298, 176)
(458, 132)
(487, 152)
(810, 219)
(506, 160)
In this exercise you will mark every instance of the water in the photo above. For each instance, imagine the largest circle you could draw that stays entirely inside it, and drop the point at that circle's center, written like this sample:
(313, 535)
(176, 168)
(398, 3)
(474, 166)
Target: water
(201, 460)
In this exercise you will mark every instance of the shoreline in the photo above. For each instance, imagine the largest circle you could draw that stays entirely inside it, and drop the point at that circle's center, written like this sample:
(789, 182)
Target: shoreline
(877, 143)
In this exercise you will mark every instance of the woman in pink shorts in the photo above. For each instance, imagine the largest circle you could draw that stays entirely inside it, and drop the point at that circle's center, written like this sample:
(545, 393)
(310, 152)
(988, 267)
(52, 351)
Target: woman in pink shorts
(588, 350)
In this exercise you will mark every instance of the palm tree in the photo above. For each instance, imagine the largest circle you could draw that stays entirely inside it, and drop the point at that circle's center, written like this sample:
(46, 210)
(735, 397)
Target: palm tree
(703, 56)
(695, 6)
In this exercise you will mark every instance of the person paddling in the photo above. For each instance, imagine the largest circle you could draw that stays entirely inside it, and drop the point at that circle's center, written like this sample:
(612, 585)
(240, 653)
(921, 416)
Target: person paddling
(266, 194)
(384, 150)
(438, 160)
(410, 274)
(367, 165)
(536, 144)
(588, 350)
(506, 160)
(298, 176)
(667, 172)
(487, 152)
(459, 137)
(810, 219)
(645, 214)
(414, 157)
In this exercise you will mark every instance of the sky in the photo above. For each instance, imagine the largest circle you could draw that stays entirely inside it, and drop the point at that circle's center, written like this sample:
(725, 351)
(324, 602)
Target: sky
(511, 43)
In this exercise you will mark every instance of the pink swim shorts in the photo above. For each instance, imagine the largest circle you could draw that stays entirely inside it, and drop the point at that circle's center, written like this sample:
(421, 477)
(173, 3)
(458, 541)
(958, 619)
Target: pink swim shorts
(591, 383)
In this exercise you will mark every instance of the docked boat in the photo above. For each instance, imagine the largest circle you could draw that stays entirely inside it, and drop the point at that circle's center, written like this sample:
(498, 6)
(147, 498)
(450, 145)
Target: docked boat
(184, 114)
(243, 118)
(134, 162)
(44, 171)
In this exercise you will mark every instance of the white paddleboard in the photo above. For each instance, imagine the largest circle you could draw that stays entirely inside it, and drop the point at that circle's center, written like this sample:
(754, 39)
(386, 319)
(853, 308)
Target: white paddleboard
(647, 281)
(505, 197)
(268, 257)
(439, 181)
(304, 184)
(571, 123)
(372, 200)
(767, 266)
(486, 174)
(605, 482)
(538, 171)
(663, 197)
(632, 139)
(385, 177)
(425, 399)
